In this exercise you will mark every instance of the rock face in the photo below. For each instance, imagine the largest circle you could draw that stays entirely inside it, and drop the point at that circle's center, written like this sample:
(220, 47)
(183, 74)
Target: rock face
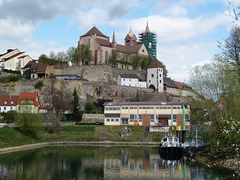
(98, 82)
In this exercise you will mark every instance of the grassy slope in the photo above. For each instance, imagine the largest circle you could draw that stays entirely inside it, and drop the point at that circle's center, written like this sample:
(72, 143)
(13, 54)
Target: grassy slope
(12, 137)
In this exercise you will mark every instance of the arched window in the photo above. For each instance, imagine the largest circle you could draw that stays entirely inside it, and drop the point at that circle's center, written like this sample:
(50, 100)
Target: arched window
(106, 57)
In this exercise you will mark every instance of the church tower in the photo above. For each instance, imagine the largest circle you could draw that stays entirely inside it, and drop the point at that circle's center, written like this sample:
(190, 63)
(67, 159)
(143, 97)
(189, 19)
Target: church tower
(149, 40)
(130, 39)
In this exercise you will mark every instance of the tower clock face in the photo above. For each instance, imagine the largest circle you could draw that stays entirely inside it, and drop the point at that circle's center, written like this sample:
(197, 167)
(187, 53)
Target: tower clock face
(150, 45)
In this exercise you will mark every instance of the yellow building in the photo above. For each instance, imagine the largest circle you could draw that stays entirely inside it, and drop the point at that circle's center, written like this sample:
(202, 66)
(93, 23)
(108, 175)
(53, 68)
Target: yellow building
(28, 102)
(146, 113)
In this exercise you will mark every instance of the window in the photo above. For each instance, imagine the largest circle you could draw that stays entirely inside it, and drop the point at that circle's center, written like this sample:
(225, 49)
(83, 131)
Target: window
(112, 115)
(4, 108)
(123, 79)
(30, 101)
(140, 117)
(160, 81)
(140, 107)
(5, 102)
(152, 75)
(133, 107)
(124, 107)
(23, 101)
(12, 102)
(112, 120)
(152, 117)
(174, 118)
(149, 81)
(108, 120)
(117, 120)
(160, 75)
(11, 108)
(131, 117)
(169, 107)
(187, 117)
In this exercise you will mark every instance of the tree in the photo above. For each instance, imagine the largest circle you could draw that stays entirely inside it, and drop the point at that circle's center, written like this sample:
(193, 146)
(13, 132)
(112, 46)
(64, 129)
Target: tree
(233, 11)
(76, 114)
(136, 61)
(113, 59)
(83, 54)
(231, 48)
(52, 55)
(89, 106)
(146, 60)
(9, 117)
(29, 124)
(70, 54)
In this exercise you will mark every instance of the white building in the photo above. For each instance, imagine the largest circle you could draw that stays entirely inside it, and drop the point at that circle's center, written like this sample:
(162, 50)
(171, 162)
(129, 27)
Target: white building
(8, 103)
(155, 76)
(14, 60)
(130, 80)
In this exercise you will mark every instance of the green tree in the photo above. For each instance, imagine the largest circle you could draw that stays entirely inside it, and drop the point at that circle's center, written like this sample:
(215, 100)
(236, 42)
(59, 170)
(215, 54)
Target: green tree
(45, 60)
(83, 54)
(89, 106)
(136, 61)
(113, 59)
(146, 60)
(9, 117)
(76, 114)
(29, 124)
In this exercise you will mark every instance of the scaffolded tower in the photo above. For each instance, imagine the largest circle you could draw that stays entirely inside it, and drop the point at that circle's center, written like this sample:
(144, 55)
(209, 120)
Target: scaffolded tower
(149, 40)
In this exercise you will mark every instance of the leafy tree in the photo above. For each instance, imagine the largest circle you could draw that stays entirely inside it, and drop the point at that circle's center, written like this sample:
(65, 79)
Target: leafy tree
(29, 124)
(52, 55)
(146, 60)
(70, 54)
(89, 106)
(135, 61)
(83, 54)
(231, 48)
(61, 56)
(113, 59)
(45, 60)
(76, 114)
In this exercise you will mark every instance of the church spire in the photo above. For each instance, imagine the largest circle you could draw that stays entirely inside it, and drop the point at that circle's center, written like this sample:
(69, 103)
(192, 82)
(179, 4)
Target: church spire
(113, 39)
(147, 29)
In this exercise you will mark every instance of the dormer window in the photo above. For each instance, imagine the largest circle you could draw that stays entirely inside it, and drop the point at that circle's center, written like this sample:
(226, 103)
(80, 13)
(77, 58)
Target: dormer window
(30, 101)
(23, 101)
(12, 102)
(5, 102)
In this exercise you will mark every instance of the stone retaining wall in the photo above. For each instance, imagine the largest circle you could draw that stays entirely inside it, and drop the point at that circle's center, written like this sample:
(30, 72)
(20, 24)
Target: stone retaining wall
(92, 118)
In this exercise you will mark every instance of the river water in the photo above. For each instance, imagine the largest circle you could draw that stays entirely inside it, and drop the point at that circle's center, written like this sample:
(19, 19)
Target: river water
(92, 162)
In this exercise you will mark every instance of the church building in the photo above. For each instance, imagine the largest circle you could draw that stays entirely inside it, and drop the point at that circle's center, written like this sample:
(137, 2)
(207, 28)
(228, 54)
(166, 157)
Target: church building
(101, 46)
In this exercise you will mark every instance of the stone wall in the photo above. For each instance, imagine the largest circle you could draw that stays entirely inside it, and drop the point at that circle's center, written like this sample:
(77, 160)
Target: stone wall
(92, 118)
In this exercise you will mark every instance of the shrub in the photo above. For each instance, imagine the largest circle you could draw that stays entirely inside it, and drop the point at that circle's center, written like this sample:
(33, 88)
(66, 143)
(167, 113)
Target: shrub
(10, 78)
(13, 72)
(38, 85)
(9, 117)
(29, 124)
(89, 106)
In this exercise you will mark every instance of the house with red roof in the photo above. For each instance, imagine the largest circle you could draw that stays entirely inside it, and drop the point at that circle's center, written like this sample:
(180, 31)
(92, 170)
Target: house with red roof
(28, 102)
(8, 103)
(186, 90)
(14, 60)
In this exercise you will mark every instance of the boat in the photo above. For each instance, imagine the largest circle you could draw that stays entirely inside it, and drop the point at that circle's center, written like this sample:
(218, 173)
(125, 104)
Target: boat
(170, 147)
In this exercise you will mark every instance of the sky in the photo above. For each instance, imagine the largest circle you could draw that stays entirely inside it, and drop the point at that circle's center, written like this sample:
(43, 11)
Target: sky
(187, 30)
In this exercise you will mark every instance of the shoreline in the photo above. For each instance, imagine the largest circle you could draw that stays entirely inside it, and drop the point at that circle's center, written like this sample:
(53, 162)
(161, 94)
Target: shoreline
(75, 143)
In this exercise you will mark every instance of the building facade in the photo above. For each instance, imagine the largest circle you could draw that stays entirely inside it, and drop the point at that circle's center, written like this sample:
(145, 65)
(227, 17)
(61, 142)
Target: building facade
(14, 60)
(155, 76)
(101, 46)
(8, 103)
(28, 102)
(145, 113)
(130, 80)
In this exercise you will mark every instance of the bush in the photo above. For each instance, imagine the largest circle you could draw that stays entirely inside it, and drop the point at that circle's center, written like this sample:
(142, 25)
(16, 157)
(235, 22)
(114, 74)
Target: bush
(13, 72)
(38, 85)
(11, 78)
(9, 117)
(29, 124)
(89, 106)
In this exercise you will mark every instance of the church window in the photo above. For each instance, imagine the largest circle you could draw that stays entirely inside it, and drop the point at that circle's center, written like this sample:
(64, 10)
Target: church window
(106, 57)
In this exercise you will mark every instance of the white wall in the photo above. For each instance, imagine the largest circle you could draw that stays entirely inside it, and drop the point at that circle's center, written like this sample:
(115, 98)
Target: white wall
(155, 77)
(7, 108)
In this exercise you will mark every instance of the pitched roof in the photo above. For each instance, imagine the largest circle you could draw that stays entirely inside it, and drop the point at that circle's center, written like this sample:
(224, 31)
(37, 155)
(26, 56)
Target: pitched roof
(10, 100)
(155, 64)
(169, 82)
(42, 68)
(29, 96)
(133, 76)
(29, 63)
(103, 42)
(8, 51)
(6, 59)
(183, 85)
(129, 49)
(94, 30)
(22, 56)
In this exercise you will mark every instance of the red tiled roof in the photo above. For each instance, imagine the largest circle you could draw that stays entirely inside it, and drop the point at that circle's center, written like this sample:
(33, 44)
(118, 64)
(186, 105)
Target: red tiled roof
(103, 42)
(183, 85)
(11, 100)
(94, 30)
(29, 96)
(129, 49)
(41, 68)
(5, 59)
(154, 64)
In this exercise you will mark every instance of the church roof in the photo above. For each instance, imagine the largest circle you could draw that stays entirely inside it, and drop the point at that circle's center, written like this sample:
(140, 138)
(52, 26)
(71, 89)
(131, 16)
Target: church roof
(103, 42)
(129, 49)
(155, 64)
(94, 30)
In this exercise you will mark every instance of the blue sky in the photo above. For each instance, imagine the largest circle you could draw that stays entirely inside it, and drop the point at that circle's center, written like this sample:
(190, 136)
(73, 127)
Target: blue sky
(187, 30)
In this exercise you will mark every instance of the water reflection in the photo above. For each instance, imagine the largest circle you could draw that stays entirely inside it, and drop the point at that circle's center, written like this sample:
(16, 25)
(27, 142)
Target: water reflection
(98, 163)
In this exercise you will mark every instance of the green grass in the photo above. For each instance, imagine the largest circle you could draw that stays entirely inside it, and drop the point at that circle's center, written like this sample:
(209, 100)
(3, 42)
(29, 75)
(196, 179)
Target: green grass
(10, 136)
